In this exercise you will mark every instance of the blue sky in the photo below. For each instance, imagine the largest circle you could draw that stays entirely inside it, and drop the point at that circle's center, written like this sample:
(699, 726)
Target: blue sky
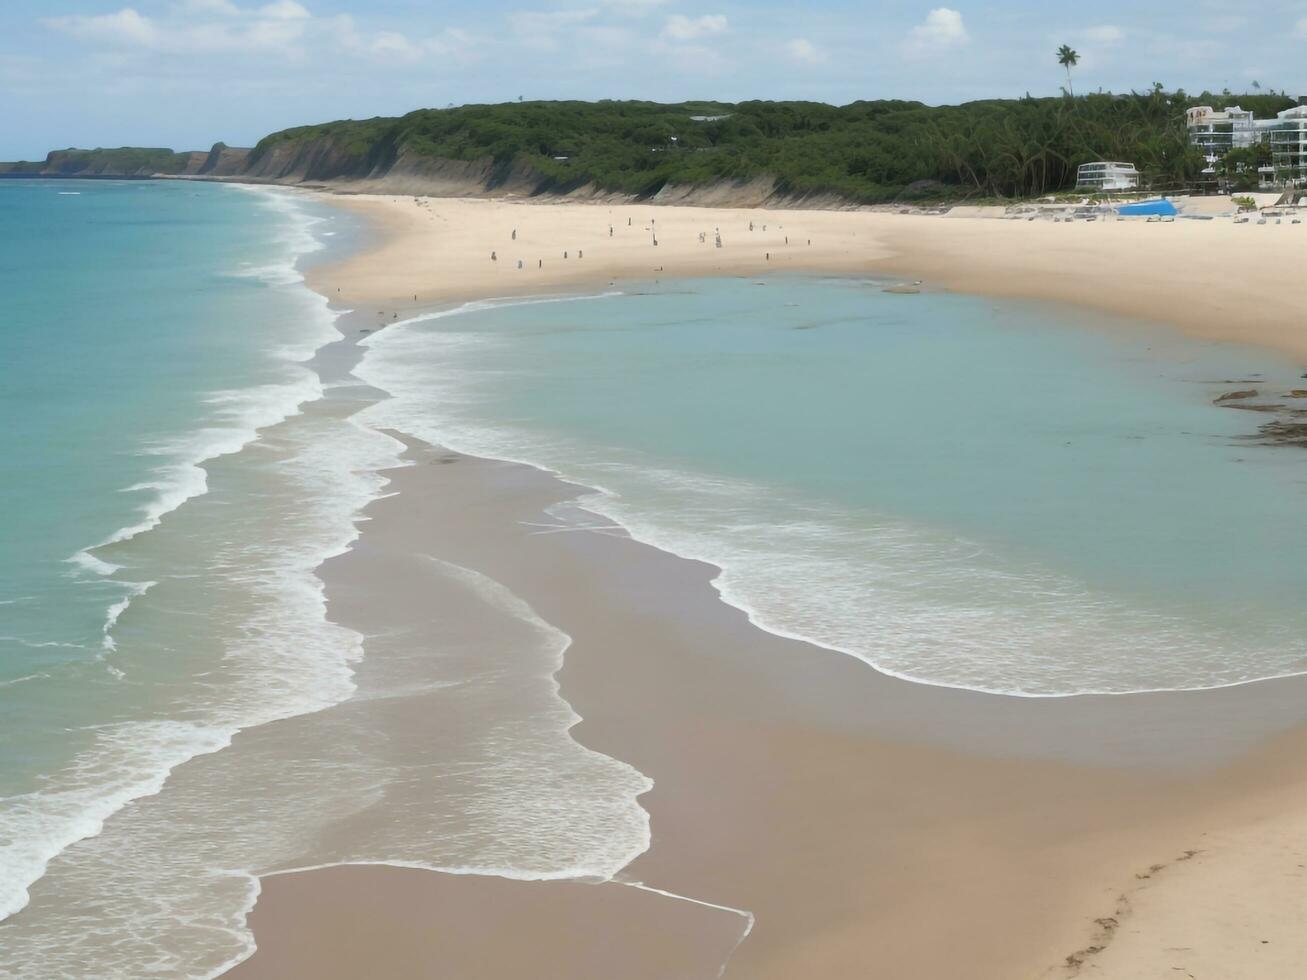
(185, 73)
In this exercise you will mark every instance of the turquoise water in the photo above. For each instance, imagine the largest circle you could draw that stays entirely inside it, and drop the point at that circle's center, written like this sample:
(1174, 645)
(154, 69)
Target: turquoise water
(177, 713)
(148, 327)
(105, 385)
(993, 495)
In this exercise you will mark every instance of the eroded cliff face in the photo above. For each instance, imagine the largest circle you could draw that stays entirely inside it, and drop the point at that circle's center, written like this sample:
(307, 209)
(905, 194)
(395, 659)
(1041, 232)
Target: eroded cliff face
(223, 161)
(326, 164)
(323, 165)
(125, 162)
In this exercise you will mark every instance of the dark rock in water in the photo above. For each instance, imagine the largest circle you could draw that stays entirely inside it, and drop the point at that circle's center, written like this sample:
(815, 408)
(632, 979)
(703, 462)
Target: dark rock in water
(1255, 408)
(1283, 432)
(1297, 393)
(1234, 395)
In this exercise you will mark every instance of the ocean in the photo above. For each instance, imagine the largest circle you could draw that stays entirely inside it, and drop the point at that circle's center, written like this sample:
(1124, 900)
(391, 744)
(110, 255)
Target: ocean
(992, 495)
(186, 457)
(1002, 496)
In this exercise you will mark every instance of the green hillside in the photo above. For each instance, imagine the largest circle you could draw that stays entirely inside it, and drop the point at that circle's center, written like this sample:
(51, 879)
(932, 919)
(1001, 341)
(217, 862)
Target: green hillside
(866, 151)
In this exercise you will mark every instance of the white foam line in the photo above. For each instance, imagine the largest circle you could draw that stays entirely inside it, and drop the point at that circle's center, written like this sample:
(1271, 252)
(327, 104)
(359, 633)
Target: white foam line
(80, 810)
(594, 502)
(115, 611)
(19, 680)
(42, 644)
(745, 914)
(508, 874)
(475, 306)
(497, 595)
(557, 528)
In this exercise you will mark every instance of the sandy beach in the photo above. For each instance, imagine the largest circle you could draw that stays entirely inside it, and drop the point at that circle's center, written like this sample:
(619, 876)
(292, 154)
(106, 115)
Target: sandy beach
(1213, 279)
(810, 816)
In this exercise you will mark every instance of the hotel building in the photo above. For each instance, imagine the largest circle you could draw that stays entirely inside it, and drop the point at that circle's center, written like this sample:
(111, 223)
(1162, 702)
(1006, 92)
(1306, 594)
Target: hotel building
(1217, 131)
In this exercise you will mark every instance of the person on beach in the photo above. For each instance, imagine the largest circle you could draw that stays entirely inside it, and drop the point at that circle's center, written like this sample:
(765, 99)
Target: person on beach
(494, 257)
(514, 234)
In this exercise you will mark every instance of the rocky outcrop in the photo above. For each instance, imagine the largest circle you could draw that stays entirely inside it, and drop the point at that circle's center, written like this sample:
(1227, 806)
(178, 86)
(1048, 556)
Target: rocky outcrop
(1231, 396)
(222, 161)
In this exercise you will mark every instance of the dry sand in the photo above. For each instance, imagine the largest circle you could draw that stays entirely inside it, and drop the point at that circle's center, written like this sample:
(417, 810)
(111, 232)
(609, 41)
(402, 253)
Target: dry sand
(873, 827)
(1212, 278)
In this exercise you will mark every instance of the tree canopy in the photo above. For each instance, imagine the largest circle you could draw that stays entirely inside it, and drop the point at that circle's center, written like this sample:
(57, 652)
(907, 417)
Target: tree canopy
(867, 152)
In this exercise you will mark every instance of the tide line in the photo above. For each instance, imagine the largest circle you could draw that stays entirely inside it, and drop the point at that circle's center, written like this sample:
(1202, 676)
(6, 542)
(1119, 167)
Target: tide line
(745, 914)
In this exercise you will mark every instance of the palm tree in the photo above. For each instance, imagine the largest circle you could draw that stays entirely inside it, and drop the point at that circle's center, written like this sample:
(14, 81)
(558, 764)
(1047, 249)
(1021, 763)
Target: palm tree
(1068, 59)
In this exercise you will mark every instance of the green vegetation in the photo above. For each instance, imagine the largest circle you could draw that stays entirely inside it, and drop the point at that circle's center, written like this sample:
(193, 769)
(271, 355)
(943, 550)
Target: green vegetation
(126, 160)
(1239, 166)
(1068, 59)
(865, 152)
(868, 152)
(1244, 203)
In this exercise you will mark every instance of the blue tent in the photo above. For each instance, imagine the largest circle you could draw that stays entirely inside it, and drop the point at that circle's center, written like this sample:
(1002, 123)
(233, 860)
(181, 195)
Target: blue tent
(1160, 206)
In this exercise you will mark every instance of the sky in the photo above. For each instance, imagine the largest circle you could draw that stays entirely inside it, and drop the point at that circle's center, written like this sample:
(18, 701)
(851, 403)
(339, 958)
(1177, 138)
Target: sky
(188, 73)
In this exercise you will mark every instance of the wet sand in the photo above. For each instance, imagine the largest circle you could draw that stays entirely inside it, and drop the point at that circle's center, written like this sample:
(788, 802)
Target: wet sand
(841, 808)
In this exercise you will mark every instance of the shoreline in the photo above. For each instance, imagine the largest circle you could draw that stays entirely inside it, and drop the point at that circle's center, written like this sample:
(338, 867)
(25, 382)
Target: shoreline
(1214, 281)
(983, 749)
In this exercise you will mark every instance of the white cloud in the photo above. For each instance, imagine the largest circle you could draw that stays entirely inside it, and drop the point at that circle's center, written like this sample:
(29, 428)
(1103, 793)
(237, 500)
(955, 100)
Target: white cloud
(1104, 34)
(942, 29)
(225, 7)
(451, 42)
(390, 45)
(682, 28)
(633, 8)
(125, 28)
(607, 36)
(548, 22)
(1227, 23)
(394, 48)
(1300, 29)
(285, 27)
(804, 51)
(284, 10)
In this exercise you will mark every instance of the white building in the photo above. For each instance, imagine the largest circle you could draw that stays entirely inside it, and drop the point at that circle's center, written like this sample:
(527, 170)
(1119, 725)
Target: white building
(1218, 131)
(1287, 136)
(1107, 175)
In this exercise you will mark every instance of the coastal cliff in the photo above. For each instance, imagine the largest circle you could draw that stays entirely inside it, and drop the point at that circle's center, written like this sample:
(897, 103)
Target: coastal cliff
(132, 162)
(706, 153)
